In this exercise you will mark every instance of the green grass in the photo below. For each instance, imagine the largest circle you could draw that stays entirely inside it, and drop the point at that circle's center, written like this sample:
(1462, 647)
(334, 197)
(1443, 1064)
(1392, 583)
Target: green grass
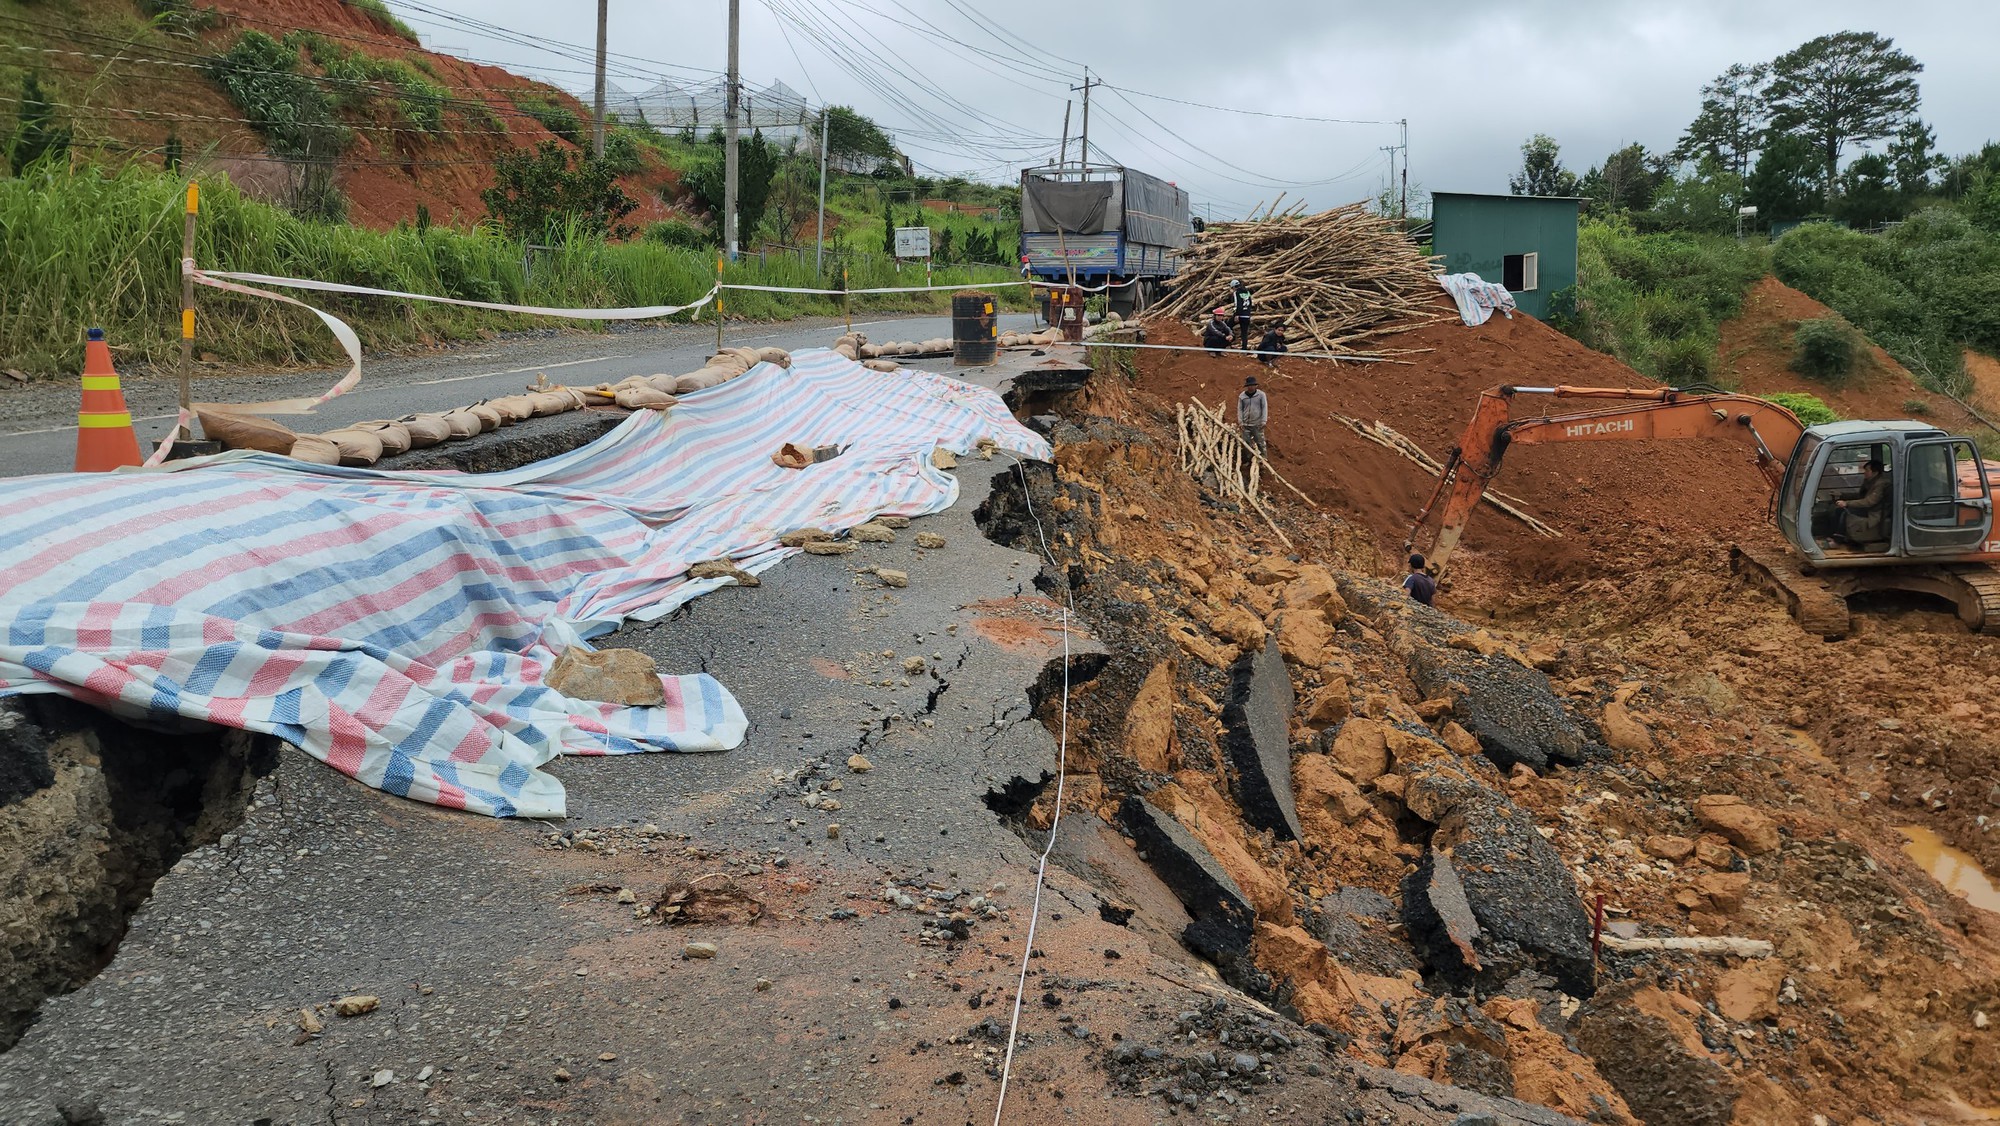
(379, 14)
(1810, 409)
(100, 248)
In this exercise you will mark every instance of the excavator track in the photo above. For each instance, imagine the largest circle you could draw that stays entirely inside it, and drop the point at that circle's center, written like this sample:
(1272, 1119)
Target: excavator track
(1818, 609)
(1979, 601)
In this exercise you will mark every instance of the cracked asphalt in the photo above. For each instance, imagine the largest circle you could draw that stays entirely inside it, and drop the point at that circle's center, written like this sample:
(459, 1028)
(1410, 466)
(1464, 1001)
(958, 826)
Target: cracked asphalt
(861, 968)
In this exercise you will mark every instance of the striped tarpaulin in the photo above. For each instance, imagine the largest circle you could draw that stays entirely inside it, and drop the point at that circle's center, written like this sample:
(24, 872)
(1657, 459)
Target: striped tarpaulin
(397, 626)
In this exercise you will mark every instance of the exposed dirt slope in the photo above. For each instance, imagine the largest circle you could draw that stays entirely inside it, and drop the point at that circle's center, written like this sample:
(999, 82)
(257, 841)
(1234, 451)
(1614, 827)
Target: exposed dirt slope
(1756, 351)
(128, 103)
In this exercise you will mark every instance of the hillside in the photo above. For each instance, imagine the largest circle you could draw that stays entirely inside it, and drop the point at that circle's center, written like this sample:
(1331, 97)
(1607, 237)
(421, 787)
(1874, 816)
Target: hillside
(425, 128)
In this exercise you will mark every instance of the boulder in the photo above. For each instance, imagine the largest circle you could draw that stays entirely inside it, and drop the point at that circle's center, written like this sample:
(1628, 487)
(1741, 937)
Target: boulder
(1303, 636)
(1674, 850)
(1491, 897)
(1328, 705)
(1224, 922)
(1724, 891)
(1149, 721)
(1314, 590)
(1256, 734)
(1740, 825)
(613, 676)
(1623, 731)
(1237, 625)
(1507, 706)
(1360, 749)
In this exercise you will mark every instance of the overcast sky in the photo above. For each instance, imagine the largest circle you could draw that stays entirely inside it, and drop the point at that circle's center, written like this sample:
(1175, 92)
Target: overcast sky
(1473, 80)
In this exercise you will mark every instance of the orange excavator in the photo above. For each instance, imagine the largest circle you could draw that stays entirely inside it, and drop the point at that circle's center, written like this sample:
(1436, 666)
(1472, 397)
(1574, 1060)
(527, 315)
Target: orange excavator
(1934, 535)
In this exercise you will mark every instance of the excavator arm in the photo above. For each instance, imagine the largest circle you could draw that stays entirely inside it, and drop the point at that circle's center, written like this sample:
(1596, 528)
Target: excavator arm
(1771, 432)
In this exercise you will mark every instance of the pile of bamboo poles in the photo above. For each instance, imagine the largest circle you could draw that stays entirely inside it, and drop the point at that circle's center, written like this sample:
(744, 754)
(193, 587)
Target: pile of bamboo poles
(1388, 438)
(1334, 279)
(1213, 451)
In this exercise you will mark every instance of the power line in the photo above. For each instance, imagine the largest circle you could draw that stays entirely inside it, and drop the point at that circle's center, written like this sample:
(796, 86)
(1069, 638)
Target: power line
(1253, 112)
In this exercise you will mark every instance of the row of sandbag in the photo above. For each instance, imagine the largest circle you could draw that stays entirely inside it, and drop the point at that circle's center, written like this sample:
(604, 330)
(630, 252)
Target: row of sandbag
(657, 392)
(365, 443)
(855, 346)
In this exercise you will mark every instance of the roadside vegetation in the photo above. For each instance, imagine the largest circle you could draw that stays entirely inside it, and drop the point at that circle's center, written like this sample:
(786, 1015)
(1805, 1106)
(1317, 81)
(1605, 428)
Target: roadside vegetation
(1901, 240)
(92, 247)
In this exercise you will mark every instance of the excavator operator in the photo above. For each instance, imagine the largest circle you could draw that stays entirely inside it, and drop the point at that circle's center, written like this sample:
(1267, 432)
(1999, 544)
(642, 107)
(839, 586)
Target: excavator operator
(1866, 519)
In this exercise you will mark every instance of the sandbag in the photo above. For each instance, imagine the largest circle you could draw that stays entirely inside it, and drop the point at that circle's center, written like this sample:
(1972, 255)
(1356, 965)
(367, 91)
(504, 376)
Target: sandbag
(243, 432)
(513, 408)
(866, 351)
(489, 419)
(791, 455)
(316, 449)
(776, 356)
(879, 365)
(395, 439)
(357, 447)
(551, 402)
(846, 350)
(644, 398)
(751, 357)
(427, 430)
(461, 423)
(698, 381)
(663, 383)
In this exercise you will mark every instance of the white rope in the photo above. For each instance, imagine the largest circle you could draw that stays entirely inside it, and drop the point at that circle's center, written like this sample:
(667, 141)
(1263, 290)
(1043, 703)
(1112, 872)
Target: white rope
(1062, 772)
(883, 289)
(1343, 357)
(633, 313)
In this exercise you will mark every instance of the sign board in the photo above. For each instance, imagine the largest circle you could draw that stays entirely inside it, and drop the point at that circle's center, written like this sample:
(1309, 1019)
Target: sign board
(913, 242)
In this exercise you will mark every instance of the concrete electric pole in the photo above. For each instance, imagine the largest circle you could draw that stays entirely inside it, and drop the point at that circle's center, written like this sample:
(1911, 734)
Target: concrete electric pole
(1086, 119)
(731, 106)
(597, 126)
(819, 254)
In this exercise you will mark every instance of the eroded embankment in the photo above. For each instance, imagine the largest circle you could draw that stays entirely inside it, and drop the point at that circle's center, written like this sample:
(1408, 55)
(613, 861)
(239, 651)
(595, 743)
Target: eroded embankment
(1396, 827)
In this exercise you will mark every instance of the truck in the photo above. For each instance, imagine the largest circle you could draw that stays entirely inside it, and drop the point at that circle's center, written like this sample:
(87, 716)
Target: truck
(1103, 225)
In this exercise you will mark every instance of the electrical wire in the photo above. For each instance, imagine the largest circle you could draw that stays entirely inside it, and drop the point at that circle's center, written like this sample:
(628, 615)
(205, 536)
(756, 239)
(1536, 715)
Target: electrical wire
(1253, 112)
(1055, 821)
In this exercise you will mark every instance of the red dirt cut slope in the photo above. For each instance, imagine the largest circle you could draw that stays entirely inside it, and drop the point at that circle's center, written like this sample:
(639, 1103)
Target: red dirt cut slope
(1618, 506)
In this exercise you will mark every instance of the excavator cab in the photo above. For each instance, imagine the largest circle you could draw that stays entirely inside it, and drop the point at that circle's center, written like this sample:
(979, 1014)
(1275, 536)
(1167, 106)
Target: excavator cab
(1939, 502)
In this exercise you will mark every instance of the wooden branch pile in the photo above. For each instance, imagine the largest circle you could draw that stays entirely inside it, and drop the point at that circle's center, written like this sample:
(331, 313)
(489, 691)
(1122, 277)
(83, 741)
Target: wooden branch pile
(1388, 438)
(1214, 449)
(1334, 279)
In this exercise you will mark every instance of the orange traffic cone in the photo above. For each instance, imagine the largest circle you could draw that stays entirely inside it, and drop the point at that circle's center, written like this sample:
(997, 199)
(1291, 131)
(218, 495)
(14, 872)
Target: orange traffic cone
(104, 435)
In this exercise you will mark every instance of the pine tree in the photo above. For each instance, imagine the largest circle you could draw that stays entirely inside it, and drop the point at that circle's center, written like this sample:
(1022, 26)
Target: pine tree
(888, 231)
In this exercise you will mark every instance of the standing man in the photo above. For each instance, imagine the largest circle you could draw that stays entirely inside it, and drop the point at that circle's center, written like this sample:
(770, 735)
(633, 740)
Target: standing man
(1239, 298)
(1252, 410)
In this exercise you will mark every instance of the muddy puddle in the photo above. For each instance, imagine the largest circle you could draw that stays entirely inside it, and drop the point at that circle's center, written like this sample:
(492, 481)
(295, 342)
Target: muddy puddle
(1959, 873)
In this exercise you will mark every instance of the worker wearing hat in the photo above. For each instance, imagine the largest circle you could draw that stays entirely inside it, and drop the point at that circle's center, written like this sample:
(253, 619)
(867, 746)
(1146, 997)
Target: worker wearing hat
(1252, 410)
(1215, 334)
(1241, 302)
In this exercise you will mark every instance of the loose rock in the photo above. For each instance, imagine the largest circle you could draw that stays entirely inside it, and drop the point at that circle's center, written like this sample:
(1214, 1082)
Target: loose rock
(699, 950)
(930, 540)
(356, 1004)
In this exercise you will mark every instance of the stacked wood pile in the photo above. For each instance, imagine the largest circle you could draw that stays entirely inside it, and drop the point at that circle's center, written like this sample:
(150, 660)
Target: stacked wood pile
(366, 443)
(1386, 436)
(1334, 280)
(1213, 452)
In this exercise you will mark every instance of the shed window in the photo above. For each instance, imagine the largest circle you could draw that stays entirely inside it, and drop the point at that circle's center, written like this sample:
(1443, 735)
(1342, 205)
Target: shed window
(1520, 272)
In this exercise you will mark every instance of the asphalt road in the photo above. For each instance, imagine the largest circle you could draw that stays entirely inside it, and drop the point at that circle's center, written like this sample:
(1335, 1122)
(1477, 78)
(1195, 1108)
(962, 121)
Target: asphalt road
(38, 421)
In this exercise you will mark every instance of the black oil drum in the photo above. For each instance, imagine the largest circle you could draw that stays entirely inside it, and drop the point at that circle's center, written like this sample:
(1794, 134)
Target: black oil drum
(975, 331)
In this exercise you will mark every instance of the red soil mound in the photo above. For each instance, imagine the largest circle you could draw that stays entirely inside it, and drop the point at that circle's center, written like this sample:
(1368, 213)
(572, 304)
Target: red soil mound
(1618, 506)
(1756, 348)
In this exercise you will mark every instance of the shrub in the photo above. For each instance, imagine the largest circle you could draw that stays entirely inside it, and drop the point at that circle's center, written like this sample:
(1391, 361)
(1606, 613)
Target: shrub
(553, 194)
(262, 77)
(556, 118)
(1683, 361)
(37, 137)
(1916, 407)
(378, 13)
(682, 234)
(1827, 349)
(1810, 409)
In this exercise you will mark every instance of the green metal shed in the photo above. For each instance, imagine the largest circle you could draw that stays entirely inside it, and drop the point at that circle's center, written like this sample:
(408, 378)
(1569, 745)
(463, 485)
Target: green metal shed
(1526, 243)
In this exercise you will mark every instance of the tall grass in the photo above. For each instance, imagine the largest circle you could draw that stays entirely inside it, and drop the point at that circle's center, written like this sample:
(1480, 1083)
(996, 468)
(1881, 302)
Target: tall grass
(95, 248)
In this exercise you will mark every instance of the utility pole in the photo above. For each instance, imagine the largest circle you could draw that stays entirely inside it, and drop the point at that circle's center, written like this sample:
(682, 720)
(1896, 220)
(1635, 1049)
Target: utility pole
(597, 126)
(1405, 123)
(1391, 150)
(1087, 84)
(1062, 154)
(819, 255)
(730, 107)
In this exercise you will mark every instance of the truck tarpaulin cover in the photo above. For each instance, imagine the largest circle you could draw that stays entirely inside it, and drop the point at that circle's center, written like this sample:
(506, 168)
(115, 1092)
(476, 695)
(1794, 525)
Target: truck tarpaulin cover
(1075, 208)
(398, 625)
(1155, 211)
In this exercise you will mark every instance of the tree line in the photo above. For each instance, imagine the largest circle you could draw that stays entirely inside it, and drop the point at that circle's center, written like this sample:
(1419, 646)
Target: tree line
(1778, 136)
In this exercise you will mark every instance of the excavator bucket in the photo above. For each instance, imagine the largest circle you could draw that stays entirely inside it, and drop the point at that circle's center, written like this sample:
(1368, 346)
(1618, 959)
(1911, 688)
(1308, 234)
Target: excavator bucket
(1817, 608)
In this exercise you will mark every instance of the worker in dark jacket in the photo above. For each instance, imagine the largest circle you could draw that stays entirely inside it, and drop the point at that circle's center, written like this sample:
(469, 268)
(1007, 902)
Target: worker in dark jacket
(1215, 334)
(1867, 514)
(1241, 301)
(1272, 346)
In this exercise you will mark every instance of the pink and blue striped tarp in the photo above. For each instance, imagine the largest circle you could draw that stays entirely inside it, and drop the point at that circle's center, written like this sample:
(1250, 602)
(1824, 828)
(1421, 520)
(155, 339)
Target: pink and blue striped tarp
(398, 625)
